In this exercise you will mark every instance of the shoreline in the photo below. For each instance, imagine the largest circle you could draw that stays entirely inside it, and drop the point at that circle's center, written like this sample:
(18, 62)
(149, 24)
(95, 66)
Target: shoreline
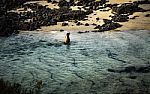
(95, 16)
(139, 23)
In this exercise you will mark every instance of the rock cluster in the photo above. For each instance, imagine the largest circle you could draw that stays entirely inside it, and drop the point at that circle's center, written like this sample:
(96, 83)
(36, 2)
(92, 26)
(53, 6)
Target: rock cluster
(92, 4)
(9, 21)
(121, 12)
(39, 16)
(108, 25)
(126, 8)
(42, 16)
(120, 18)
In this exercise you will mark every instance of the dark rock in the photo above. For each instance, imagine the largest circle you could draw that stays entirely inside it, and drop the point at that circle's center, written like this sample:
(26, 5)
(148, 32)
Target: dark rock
(54, 2)
(49, 1)
(91, 3)
(61, 30)
(97, 18)
(143, 69)
(111, 70)
(132, 77)
(94, 31)
(13, 88)
(147, 15)
(108, 26)
(79, 23)
(64, 24)
(94, 24)
(126, 8)
(120, 18)
(111, 5)
(97, 27)
(86, 24)
(106, 21)
(142, 2)
(129, 69)
(63, 3)
(75, 21)
(80, 32)
(134, 17)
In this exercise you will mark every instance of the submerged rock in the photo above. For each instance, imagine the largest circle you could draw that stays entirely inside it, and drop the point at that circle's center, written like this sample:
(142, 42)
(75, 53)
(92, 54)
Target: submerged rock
(129, 69)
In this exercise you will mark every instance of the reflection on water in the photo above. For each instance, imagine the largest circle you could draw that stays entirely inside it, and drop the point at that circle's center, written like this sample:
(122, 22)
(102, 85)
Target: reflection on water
(78, 67)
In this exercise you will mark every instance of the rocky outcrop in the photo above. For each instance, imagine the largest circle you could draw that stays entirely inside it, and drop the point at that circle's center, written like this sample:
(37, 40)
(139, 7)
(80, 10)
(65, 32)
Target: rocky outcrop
(108, 25)
(39, 16)
(8, 24)
(126, 8)
(63, 3)
(120, 18)
(121, 12)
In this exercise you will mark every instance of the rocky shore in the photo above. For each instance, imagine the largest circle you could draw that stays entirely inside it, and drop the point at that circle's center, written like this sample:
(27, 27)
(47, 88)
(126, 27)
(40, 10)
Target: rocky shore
(33, 15)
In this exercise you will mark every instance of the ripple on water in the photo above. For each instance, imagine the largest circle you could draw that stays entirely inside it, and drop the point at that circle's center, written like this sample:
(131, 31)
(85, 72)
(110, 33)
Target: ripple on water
(80, 67)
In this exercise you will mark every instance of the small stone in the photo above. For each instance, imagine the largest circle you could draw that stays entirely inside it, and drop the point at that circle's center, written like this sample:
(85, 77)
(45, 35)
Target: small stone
(64, 24)
(86, 24)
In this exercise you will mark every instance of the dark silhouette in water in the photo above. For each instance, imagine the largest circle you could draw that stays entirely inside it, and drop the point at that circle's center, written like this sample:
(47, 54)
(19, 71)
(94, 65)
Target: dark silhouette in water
(67, 39)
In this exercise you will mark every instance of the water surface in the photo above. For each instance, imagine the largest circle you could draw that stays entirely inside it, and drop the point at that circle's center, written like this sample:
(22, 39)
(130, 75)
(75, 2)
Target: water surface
(79, 68)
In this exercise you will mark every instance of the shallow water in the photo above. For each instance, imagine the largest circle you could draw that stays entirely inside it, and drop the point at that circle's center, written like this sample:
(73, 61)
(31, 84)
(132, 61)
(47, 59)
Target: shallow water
(79, 68)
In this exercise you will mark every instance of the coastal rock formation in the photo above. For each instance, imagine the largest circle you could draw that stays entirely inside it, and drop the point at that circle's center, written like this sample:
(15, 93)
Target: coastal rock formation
(120, 18)
(126, 8)
(108, 25)
(8, 24)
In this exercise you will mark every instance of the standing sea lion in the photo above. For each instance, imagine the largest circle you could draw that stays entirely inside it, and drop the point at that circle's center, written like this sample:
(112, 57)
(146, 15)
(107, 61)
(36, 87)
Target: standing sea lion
(67, 39)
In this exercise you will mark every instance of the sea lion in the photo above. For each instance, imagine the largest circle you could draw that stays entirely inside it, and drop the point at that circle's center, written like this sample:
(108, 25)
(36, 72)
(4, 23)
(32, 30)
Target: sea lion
(67, 39)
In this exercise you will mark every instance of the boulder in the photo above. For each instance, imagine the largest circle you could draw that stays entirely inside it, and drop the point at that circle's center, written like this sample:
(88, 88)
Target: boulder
(79, 23)
(86, 24)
